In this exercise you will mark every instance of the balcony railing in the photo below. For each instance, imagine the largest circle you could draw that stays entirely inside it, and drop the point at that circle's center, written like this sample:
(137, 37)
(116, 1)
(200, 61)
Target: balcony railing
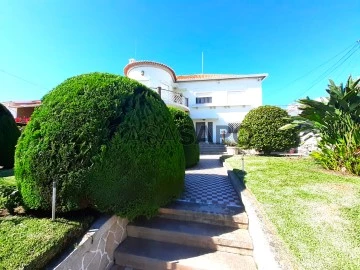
(171, 97)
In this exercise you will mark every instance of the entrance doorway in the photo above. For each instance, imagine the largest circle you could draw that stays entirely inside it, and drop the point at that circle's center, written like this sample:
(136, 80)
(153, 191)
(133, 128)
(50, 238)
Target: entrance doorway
(201, 131)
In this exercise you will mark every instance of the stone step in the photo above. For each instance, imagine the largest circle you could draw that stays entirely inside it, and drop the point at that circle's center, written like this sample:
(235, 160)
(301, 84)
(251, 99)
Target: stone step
(215, 214)
(121, 267)
(211, 146)
(191, 233)
(212, 153)
(149, 254)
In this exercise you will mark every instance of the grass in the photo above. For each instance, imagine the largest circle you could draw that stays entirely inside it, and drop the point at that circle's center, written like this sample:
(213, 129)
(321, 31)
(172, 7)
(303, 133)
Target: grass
(315, 212)
(7, 177)
(29, 242)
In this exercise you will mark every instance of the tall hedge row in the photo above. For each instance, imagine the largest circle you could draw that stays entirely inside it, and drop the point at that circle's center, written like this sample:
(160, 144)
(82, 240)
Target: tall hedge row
(108, 141)
(186, 129)
(9, 134)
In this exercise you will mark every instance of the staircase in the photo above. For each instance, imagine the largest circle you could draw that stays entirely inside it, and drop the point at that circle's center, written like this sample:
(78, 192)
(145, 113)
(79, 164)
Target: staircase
(212, 149)
(181, 238)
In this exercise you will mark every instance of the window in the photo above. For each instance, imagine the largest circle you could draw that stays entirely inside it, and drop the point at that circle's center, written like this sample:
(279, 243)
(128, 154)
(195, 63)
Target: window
(233, 127)
(203, 100)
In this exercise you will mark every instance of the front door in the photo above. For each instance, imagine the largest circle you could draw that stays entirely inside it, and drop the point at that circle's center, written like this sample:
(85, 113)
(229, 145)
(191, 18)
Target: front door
(200, 131)
(210, 132)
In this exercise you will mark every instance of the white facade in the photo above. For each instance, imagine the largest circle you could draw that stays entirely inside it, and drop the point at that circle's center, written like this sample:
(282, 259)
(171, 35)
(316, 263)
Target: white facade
(214, 101)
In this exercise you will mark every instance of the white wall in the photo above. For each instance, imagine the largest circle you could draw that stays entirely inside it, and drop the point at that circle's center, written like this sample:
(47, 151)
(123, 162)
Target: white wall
(11, 109)
(220, 117)
(223, 92)
(232, 99)
(153, 77)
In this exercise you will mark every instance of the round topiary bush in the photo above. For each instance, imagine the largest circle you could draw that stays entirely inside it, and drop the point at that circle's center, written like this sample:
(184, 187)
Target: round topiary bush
(260, 130)
(9, 134)
(186, 129)
(108, 141)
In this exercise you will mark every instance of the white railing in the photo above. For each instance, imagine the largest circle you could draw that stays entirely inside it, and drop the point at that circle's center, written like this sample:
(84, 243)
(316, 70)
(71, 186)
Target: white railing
(171, 97)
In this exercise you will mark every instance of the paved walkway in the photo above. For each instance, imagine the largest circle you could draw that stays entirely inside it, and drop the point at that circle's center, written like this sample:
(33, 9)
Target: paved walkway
(208, 183)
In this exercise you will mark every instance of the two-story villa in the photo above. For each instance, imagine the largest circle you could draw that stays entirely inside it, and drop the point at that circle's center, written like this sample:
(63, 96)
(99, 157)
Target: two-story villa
(217, 103)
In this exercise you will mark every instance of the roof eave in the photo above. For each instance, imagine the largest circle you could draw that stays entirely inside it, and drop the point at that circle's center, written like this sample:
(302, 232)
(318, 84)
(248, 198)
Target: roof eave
(261, 76)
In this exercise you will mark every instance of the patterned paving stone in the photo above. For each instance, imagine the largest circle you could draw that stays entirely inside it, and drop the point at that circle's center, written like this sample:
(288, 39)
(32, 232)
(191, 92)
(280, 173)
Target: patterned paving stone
(208, 183)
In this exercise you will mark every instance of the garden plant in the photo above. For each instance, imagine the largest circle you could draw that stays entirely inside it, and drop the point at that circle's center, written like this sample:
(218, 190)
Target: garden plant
(186, 129)
(260, 130)
(336, 122)
(101, 137)
(9, 134)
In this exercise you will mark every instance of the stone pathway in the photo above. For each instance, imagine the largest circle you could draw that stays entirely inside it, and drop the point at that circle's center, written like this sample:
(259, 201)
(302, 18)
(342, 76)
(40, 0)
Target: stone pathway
(208, 183)
(206, 228)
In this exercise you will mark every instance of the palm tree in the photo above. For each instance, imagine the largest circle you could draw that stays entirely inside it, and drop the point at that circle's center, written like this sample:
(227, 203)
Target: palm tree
(336, 120)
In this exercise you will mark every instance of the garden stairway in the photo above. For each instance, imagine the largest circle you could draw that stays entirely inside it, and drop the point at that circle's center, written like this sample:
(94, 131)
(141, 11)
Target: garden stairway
(181, 237)
(206, 228)
(212, 149)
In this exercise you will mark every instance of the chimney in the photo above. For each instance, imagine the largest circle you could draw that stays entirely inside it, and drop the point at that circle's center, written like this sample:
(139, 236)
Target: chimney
(132, 60)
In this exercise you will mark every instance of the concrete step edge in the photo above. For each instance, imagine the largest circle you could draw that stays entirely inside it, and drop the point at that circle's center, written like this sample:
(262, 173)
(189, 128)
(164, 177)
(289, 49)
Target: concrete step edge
(238, 246)
(150, 254)
(142, 262)
(218, 219)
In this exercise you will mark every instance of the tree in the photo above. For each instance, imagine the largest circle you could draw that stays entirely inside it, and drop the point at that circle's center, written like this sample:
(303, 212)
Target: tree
(336, 121)
(99, 136)
(187, 133)
(9, 134)
(260, 130)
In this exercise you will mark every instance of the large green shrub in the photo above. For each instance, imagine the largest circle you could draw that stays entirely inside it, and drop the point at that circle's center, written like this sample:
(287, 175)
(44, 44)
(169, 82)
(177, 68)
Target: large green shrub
(9, 134)
(260, 130)
(108, 141)
(336, 121)
(186, 129)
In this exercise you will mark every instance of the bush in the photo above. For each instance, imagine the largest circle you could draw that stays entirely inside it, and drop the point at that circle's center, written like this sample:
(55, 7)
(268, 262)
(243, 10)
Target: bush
(336, 121)
(260, 130)
(108, 141)
(10, 198)
(186, 129)
(9, 134)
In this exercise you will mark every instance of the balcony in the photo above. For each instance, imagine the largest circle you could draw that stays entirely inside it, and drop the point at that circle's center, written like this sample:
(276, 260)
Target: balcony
(173, 99)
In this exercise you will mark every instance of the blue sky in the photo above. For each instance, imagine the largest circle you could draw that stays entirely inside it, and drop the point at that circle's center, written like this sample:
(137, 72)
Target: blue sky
(47, 41)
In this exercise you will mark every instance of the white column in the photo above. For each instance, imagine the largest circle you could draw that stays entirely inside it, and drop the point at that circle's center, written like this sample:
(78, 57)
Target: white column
(206, 132)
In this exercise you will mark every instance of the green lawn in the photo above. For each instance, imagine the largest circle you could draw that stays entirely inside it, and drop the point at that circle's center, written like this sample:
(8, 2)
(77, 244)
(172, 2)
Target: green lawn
(7, 178)
(28, 242)
(316, 212)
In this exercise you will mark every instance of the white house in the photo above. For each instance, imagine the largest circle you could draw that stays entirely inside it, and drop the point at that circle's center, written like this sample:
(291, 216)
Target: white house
(217, 103)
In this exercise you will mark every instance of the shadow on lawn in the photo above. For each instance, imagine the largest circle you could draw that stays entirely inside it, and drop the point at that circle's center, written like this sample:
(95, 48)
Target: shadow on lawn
(71, 216)
(241, 175)
(6, 172)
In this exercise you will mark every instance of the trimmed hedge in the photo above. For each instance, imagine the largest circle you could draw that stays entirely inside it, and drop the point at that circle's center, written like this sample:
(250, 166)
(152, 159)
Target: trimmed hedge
(110, 143)
(9, 134)
(260, 130)
(186, 129)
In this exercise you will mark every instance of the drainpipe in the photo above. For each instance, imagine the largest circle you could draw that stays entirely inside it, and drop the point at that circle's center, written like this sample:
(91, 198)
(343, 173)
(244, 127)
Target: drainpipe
(159, 90)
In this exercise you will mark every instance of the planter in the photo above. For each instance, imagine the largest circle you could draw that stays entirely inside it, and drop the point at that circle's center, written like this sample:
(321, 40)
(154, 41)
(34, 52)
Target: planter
(232, 150)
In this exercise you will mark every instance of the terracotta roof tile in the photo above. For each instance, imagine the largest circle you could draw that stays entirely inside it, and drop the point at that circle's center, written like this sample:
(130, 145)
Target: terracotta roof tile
(204, 77)
(191, 77)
